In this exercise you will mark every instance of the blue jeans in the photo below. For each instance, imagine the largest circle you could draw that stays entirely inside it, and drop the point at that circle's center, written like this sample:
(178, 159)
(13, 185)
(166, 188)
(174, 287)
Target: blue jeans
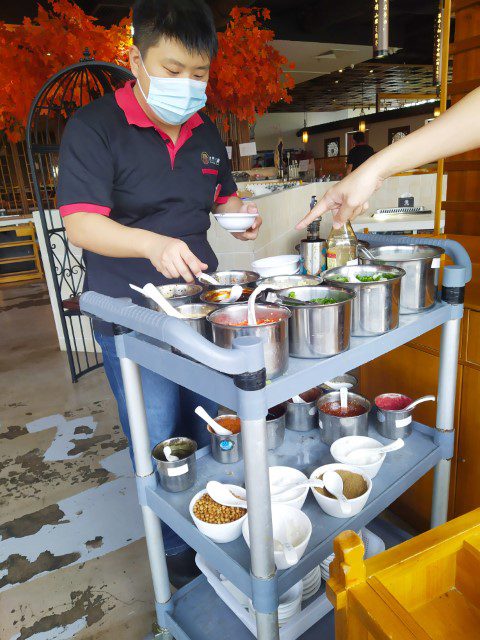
(170, 412)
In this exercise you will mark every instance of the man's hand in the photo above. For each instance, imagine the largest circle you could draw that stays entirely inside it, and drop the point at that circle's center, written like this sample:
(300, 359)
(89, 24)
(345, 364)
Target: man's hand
(252, 232)
(172, 258)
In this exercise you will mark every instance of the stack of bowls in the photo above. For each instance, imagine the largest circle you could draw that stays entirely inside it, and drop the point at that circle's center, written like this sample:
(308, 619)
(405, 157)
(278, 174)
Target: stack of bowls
(311, 583)
(290, 603)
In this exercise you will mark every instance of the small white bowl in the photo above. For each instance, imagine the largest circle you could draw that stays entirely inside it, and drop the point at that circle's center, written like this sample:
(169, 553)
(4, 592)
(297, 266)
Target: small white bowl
(285, 475)
(235, 222)
(226, 532)
(343, 446)
(331, 506)
(286, 518)
(277, 266)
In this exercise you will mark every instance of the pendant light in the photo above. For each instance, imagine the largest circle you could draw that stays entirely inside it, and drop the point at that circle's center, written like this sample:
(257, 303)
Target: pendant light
(362, 125)
(380, 28)
(305, 132)
(437, 46)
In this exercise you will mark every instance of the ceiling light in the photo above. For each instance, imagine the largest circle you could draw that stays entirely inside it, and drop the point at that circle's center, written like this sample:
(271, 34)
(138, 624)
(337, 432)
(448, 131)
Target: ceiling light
(436, 112)
(337, 81)
(305, 137)
(340, 71)
(362, 126)
(371, 70)
(305, 132)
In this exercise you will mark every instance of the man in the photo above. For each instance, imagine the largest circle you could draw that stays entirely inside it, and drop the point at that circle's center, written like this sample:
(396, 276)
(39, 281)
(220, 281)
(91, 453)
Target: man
(140, 171)
(360, 152)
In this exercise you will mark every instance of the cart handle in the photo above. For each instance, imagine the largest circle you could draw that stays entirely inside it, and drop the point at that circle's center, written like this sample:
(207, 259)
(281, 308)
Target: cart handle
(452, 248)
(245, 357)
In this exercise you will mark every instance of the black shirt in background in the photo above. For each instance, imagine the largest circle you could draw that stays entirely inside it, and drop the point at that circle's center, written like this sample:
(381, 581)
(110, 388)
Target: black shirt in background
(358, 154)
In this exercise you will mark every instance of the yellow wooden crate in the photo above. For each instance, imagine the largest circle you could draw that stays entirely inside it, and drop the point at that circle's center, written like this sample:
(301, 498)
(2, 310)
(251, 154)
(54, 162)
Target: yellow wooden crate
(427, 588)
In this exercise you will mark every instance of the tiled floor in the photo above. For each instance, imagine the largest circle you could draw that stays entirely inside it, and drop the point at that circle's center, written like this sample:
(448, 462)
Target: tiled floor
(72, 553)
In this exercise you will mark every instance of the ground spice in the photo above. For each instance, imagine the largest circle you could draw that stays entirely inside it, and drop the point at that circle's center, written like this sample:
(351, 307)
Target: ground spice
(208, 510)
(354, 485)
(231, 423)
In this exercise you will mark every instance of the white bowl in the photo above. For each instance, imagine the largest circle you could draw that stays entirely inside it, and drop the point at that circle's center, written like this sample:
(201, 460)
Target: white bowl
(286, 519)
(235, 222)
(343, 446)
(285, 475)
(277, 266)
(226, 532)
(331, 506)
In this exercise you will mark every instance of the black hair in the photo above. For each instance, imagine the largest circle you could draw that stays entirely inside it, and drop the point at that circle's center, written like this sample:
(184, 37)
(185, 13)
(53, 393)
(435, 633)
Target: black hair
(190, 22)
(359, 136)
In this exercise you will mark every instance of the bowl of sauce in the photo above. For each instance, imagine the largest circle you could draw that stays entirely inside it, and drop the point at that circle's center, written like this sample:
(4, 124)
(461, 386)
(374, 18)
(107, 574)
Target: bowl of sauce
(219, 297)
(336, 422)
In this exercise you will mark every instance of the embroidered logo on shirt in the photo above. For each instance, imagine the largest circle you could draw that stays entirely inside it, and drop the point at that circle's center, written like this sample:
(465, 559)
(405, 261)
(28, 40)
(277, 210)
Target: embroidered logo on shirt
(208, 159)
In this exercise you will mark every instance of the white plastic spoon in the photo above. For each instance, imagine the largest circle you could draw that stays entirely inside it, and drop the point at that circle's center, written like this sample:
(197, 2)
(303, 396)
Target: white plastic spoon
(208, 279)
(168, 454)
(334, 485)
(298, 400)
(219, 430)
(151, 291)
(394, 446)
(276, 490)
(288, 550)
(227, 494)
(252, 318)
(413, 404)
(236, 292)
(343, 397)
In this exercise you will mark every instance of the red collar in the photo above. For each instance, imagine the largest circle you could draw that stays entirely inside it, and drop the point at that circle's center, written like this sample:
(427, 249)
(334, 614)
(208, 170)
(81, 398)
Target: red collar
(134, 113)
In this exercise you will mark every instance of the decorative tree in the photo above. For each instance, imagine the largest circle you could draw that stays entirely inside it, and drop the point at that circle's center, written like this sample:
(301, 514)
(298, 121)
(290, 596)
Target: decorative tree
(247, 75)
(38, 48)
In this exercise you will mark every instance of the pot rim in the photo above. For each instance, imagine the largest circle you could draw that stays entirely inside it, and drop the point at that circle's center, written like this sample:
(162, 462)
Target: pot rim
(325, 397)
(439, 252)
(381, 395)
(398, 277)
(211, 317)
(305, 304)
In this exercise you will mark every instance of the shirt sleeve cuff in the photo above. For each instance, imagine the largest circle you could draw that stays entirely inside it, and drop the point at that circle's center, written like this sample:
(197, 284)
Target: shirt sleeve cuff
(87, 207)
(224, 199)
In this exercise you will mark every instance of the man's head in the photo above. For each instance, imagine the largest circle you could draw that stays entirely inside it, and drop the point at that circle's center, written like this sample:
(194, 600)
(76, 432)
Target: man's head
(173, 38)
(358, 137)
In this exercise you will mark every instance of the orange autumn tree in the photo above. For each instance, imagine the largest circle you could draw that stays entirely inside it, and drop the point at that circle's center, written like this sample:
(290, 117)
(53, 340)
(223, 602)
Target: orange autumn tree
(247, 75)
(39, 48)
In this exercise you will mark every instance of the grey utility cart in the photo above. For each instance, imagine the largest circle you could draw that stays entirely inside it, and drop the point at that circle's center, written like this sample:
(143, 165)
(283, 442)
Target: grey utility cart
(236, 378)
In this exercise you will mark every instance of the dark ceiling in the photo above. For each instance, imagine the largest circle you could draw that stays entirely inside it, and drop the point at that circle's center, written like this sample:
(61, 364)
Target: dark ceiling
(334, 21)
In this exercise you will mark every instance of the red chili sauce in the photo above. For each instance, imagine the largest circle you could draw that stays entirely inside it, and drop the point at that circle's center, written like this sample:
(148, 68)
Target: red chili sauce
(392, 401)
(352, 409)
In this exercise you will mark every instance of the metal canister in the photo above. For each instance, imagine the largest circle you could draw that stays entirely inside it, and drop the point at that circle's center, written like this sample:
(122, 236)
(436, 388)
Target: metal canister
(276, 426)
(180, 474)
(334, 427)
(177, 294)
(226, 449)
(314, 256)
(199, 323)
(393, 423)
(303, 416)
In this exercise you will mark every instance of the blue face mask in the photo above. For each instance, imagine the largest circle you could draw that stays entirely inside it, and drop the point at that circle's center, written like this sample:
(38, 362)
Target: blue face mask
(174, 100)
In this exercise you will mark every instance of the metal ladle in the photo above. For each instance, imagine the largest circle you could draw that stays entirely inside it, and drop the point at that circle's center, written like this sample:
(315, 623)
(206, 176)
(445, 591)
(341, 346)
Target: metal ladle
(413, 404)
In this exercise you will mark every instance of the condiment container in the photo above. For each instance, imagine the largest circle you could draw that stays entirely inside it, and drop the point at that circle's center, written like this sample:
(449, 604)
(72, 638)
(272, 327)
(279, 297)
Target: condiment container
(277, 265)
(289, 525)
(226, 449)
(342, 447)
(334, 384)
(180, 474)
(199, 323)
(318, 330)
(421, 263)
(224, 532)
(287, 475)
(303, 416)
(231, 277)
(177, 294)
(274, 335)
(276, 426)
(393, 423)
(333, 427)
(331, 506)
(285, 282)
(213, 297)
(376, 305)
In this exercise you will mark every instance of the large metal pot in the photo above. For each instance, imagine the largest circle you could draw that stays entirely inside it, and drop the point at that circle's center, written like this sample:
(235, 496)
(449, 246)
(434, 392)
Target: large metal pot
(274, 334)
(231, 277)
(334, 427)
(177, 294)
(198, 320)
(421, 263)
(318, 330)
(376, 305)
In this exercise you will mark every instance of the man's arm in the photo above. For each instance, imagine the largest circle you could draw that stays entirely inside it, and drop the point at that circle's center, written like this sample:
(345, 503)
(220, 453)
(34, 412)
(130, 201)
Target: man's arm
(104, 236)
(455, 131)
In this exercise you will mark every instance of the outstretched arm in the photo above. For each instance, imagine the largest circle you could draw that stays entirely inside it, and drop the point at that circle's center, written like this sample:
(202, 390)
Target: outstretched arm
(455, 131)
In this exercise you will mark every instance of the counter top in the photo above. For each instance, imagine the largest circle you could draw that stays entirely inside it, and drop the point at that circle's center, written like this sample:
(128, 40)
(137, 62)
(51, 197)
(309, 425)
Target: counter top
(401, 222)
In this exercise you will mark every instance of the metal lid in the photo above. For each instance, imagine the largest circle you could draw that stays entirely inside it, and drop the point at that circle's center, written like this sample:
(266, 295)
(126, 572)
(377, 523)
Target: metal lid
(403, 253)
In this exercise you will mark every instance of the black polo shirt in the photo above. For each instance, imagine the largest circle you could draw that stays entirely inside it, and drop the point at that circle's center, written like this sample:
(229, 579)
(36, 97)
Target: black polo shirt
(115, 161)
(358, 154)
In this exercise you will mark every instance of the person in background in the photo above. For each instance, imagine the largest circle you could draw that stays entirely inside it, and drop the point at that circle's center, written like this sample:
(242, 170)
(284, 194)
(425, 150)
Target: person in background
(359, 153)
(457, 130)
(140, 171)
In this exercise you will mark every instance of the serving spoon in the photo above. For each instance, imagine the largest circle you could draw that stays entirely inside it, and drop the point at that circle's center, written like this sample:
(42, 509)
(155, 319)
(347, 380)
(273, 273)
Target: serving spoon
(334, 485)
(394, 446)
(413, 404)
(168, 454)
(204, 277)
(151, 291)
(288, 550)
(231, 495)
(219, 430)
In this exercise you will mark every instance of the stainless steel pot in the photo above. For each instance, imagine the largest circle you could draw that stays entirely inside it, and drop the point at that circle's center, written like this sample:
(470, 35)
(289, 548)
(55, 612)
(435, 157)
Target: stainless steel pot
(200, 324)
(180, 474)
(333, 427)
(285, 282)
(318, 330)
(226, 449)
(303, 416)
(314, 256)
(177, 294)
(276, 426)
(208, 297)
(376, 305)
(234, 276)
(421, 263)
(274, 335)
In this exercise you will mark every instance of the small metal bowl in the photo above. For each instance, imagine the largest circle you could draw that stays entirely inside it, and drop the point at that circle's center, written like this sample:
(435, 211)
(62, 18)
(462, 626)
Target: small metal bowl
(209, 297)
(229, 278)
(177, 294)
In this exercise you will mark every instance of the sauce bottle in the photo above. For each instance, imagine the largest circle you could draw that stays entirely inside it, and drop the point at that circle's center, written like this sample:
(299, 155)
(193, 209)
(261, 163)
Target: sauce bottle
(341, 246)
